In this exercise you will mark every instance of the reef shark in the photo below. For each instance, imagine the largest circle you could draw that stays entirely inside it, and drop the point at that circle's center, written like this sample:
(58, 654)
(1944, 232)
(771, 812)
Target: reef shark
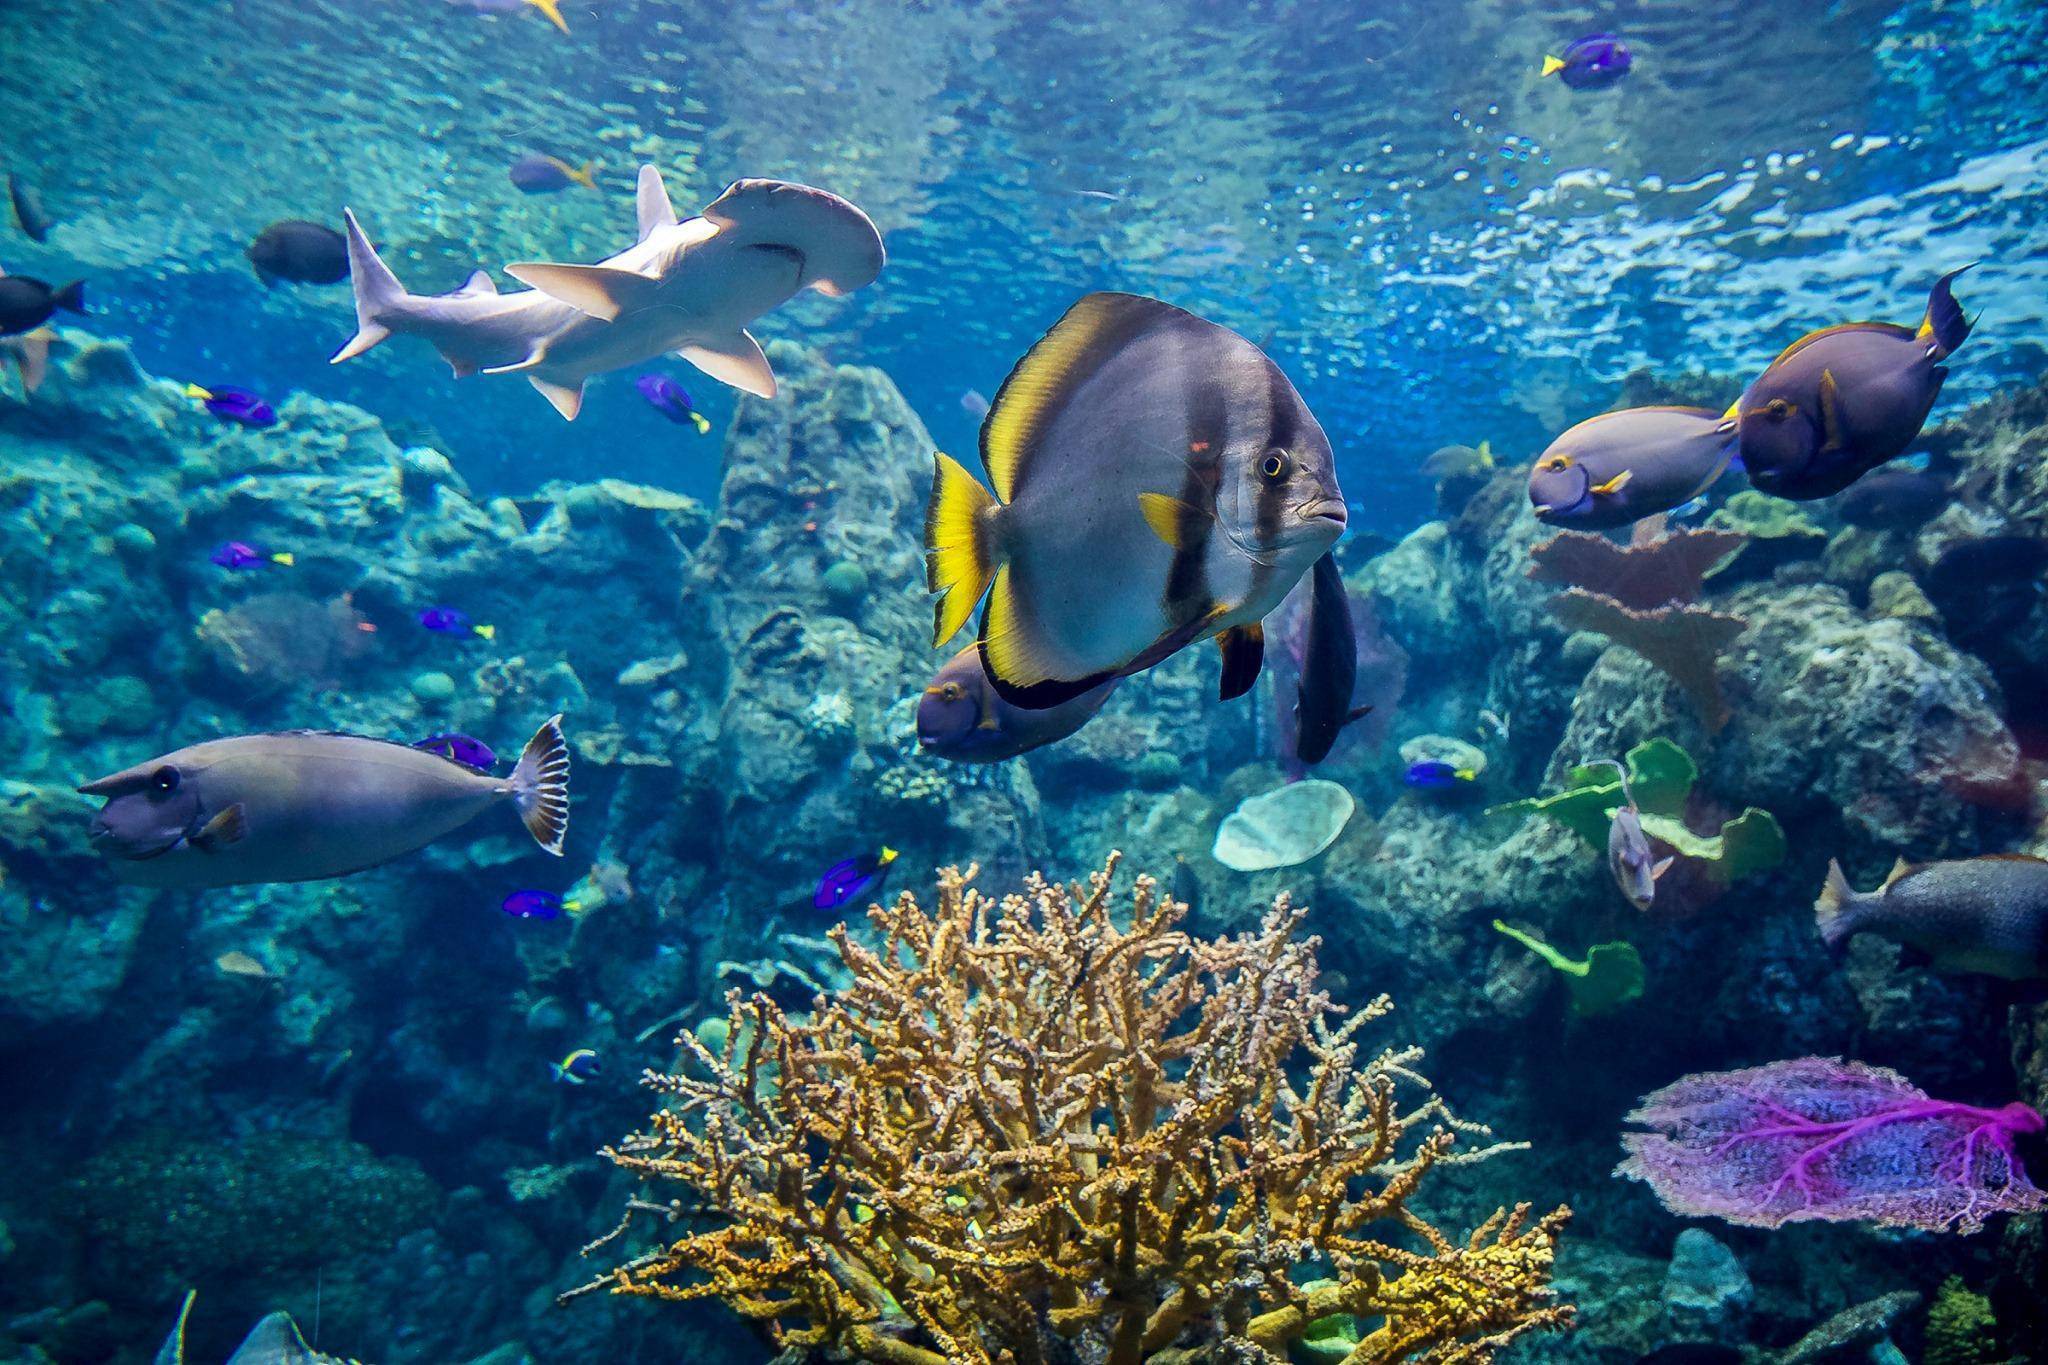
(689, 286)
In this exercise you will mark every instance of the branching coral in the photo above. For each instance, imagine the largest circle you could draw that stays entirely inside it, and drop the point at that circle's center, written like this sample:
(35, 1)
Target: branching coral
(1024, 1133)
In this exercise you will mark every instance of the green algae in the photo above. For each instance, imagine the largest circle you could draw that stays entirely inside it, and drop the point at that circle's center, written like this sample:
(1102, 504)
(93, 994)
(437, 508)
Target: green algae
(1610, 977)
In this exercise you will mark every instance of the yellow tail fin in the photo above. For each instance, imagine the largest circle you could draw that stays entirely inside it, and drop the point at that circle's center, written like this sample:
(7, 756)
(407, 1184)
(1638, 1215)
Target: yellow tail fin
(553, 10)
(284, 557)
(1551, 65)
(703, 423)
(486, 632)
(958, 546)
(587, 177)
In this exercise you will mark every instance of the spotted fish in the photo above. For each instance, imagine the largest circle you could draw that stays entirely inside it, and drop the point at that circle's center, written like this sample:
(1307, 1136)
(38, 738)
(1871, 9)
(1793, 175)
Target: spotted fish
(1157, 481)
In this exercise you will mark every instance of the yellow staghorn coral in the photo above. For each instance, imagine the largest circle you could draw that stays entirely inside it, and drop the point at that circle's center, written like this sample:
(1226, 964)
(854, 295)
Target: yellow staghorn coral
(1023, 1134)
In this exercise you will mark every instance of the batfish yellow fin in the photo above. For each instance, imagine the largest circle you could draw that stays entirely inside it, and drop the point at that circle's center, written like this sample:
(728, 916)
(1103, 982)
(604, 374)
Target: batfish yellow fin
(959, 545)
(1552, 65)
(222, 831)
(1167, 516)
(1244, 653)
(1613, 485)
(1830, 412)
(1090, 332)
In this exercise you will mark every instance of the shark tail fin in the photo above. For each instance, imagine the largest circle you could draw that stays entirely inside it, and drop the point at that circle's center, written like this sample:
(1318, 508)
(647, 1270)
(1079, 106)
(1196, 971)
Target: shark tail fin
(379, 295)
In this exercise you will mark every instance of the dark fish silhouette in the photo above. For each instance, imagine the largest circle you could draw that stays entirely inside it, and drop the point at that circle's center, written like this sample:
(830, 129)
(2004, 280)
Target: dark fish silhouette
(1329, 670)
(299, 251)
(28, 209)
(27, 303)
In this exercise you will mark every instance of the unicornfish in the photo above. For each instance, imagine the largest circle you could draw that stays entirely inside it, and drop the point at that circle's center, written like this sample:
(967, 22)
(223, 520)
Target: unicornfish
(688, 287)
(305, 805)
(1839, 402)
(1623, 466)
(1157, 481)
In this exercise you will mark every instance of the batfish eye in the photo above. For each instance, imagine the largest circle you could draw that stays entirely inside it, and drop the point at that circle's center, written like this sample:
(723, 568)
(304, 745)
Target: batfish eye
(1779, 409)
(1274, 467)
(164, 779)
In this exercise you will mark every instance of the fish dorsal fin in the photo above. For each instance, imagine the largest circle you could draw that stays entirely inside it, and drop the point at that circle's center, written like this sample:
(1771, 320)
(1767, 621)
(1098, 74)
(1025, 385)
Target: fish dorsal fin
(602, 291)
(1815, 335)
(1900, 871)
(1031, 398)
(172, 1352)
(2011, 858)
(479, 282)
(273, 1341)
(652, 203)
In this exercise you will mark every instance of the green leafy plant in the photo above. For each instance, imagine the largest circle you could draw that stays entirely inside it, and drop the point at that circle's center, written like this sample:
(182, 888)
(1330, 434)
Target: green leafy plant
(1610, 978)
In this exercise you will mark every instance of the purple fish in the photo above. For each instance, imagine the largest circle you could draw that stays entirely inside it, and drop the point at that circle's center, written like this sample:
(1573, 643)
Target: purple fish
(850, 878)
(539, 173)
(453, 621)
(961, 718)
(237, 554)
(469, 752)
(1821, 1138)
(231, 404)
(1433, 776)
(671, 400)
(535, 905)
(1593, 62)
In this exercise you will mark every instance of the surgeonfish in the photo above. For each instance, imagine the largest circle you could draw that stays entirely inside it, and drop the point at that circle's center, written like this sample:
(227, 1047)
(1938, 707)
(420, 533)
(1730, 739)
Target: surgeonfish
(539, 173)
(551, 10)
(1893, 497)
(1987, 914)
(230, 404)
(1623, 466)
(1460, 462)
(1157, 480)
(1434, 775)
(239, 554)
(1593, 62)
(530, 904)
(1329, 666)
(29, 214)
(961, 717)
(689, 287)
(851, 877)
(305, 805)
(672, 401)
(26, 303)
(454, 621)
(300, 252)
(1839, 402)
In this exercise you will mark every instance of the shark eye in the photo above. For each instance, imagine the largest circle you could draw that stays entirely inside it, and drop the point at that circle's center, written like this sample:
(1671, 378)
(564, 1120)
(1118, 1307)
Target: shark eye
(164, 779)
(1275, 466)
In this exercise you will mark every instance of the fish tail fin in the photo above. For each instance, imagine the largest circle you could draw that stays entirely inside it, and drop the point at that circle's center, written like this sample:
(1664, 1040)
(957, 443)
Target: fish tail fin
(1552, 65)
(959, 544)
(284, 557)
(485, 632)
(586, 176)
(1945, 324)
(701, 422)
(379, 295)
(552, 11)
(540, 786)
(71, 298)
(1832, 910)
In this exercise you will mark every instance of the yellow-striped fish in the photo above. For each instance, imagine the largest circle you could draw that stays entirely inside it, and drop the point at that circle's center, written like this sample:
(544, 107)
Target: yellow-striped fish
(1157, 480)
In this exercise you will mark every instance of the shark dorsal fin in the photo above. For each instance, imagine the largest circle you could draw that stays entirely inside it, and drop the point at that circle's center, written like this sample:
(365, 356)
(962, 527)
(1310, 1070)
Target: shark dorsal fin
(655, 209)
(478, 283)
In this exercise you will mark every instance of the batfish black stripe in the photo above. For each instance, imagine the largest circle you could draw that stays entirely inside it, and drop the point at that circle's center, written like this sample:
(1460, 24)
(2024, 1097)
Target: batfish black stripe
(1187, 594)
(1281, 430)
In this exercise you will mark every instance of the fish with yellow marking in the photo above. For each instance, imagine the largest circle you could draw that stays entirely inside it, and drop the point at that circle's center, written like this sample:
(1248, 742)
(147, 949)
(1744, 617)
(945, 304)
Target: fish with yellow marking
(1157, 480)
(1620, 467)
(550, 10)
(1839, 402)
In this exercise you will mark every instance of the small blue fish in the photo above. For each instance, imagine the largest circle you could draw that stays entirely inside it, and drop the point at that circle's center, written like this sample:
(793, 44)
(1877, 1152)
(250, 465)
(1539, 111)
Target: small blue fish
(1688, 509)
(1437, 776)
(464, 749)
(237, 554)
(231, 404)
(850, 878)
(450, 621)
(670, 399)
(539, 173)
(579, 1067)
(1591, 63)
(536, 905)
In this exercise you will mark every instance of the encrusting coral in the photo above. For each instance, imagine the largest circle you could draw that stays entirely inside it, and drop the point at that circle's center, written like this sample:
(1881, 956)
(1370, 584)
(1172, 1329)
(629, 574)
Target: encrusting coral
(1024, 1133)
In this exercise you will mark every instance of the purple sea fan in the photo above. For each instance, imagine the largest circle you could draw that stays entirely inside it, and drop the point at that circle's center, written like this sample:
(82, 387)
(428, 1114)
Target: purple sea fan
(1821, 1138)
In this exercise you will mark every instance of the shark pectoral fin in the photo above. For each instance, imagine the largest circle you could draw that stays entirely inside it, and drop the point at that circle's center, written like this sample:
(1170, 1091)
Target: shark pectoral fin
(598, 290)
(462, 366)
(567, 398)
(734, 360)
(654, 207)
(222, 831)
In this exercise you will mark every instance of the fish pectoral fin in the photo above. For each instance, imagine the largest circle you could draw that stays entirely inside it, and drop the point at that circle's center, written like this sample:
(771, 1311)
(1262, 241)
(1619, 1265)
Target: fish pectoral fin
(223, 831)
(736, 360)
(1356, 713)
(567, 398)
(1169, 517)
(1662, 867)
(1830, 412)
(598, 290)
(1244, 653)
(1613, 485)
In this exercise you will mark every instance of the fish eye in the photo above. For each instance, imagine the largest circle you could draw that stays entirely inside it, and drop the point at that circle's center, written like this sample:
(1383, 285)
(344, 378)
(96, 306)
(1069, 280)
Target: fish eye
(164, 779)
(1274, 467)
(1558, 462)
(952, 691)
(1779, 409)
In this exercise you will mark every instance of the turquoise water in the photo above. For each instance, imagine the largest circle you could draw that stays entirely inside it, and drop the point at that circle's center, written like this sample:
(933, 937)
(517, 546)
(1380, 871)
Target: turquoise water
(339, 1098)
